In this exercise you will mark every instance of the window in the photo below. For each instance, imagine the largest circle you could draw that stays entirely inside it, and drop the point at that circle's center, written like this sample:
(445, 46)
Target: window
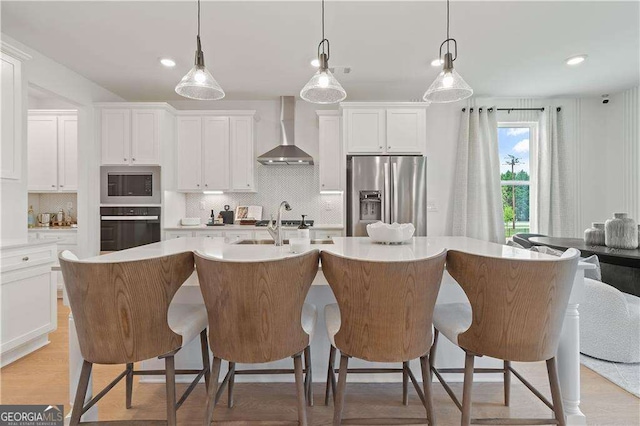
(515, 142)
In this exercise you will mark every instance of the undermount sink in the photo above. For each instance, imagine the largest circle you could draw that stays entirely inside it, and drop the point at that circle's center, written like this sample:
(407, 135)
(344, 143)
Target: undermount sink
(271, 242)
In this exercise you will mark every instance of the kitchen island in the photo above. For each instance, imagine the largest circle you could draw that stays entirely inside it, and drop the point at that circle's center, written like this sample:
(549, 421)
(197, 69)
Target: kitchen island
(320, 294)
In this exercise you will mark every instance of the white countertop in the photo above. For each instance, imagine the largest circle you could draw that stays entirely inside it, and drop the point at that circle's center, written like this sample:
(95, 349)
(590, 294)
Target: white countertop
(53, 229)
(320, 226)
(359, 248)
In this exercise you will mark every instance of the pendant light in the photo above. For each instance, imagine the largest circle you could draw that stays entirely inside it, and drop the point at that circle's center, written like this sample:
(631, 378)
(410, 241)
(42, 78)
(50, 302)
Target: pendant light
(199, 83)
(323, 88)
(449, 86)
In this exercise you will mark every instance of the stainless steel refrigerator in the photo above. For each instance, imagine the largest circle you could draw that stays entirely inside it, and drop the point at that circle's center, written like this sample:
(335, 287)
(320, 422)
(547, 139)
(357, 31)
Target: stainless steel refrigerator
(387, 189)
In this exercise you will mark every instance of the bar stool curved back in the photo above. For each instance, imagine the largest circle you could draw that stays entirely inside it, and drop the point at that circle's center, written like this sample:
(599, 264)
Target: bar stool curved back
(385, 315)
(255, 311)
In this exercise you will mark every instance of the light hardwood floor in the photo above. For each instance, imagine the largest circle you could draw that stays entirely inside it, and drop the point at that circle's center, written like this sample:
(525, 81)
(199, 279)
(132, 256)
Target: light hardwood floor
(42, 378)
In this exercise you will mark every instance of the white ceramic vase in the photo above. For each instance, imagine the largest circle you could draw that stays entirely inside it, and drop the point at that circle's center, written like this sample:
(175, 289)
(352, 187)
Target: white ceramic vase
(621, 232)
(594, 236)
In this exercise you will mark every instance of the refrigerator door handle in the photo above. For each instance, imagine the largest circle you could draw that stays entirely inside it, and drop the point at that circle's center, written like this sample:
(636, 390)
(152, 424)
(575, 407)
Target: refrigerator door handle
(386, 196)
(394, 193)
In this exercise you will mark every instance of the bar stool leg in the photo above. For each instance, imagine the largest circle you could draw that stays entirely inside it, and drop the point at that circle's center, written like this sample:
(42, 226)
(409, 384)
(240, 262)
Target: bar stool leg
(231, 384)
(81, 393)
(466, 390)
(300, 390)
(507, 383)
(204, 348)
(405, 384)
(426, 384)
(340, 391)
(309, 375)
(432, 352)
(213, 390)
(331, 378)
(556, 395)
(170, 378)
(129, 387)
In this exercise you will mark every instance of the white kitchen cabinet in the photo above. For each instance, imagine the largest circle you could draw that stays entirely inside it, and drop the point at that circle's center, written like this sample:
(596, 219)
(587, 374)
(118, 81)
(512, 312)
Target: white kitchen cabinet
(11, 104)
(320, 234)
(130, 136)
(170, 235)
(262, 235)
(406, 130)
(233, 236)
(330, 152)
(242, 155)
(29, 305)
(384, 128)
(365, 130)
(116, 136)
(189, 153)
(145, 137)
(65, 240)
(208, 234)
(52, 147)
(215, 153)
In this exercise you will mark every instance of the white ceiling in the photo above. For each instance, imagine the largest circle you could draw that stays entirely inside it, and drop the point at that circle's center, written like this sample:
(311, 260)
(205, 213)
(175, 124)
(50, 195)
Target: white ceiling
(261, 50)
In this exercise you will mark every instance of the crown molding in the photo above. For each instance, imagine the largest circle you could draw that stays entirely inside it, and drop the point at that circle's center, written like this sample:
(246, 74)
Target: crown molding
(14, 51)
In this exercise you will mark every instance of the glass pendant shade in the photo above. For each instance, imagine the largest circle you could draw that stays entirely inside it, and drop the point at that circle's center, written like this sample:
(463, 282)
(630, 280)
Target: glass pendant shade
(199, 84)
(449, 86)
(323, 88)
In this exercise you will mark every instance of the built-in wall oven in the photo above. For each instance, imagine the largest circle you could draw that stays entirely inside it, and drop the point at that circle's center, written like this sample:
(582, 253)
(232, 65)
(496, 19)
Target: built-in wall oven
(125, 227)
(130, 185)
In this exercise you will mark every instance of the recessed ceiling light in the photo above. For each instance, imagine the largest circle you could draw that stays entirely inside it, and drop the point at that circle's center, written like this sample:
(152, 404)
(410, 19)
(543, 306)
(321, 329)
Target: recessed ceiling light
(575, 60)
(168, 62)
(437, 62)
(315, 63)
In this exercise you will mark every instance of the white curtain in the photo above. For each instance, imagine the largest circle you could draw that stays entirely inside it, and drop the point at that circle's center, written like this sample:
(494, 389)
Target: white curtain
(553, 198)
(477, 204)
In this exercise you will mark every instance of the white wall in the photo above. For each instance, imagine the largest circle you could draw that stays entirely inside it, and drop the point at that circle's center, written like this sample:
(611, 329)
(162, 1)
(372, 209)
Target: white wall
(51, 77)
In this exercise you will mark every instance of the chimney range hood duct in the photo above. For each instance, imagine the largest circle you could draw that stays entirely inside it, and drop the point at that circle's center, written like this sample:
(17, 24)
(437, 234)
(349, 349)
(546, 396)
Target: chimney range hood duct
(287, 153)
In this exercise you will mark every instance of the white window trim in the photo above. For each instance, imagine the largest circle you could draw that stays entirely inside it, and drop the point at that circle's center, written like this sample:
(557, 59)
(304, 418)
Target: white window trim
(533, 168)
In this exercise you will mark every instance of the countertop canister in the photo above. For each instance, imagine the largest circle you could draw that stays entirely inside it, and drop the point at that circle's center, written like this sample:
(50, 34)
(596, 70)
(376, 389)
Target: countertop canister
(594, 236)
(621, 232)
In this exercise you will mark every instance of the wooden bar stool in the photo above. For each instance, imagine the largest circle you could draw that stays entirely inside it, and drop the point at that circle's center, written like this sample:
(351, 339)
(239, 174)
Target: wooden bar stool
(123, 315)
(515, 313)
(256, 313)
(384, 315)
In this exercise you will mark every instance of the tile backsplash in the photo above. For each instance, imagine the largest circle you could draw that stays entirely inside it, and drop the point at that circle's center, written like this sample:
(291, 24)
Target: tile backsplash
(296, 184)
(52, 203)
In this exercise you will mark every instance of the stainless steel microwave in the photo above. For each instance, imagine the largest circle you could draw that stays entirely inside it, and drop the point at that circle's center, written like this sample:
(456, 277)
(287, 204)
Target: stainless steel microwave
(130, 185)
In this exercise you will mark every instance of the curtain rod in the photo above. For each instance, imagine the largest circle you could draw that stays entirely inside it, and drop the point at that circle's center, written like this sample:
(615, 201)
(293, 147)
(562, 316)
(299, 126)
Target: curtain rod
(513, 109)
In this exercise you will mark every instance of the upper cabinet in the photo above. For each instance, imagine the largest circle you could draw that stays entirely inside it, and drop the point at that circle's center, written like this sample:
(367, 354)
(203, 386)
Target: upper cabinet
(384, 128)
(11, 104)
(215, 152)
(131, 136)
(330, 159)
(52, 147)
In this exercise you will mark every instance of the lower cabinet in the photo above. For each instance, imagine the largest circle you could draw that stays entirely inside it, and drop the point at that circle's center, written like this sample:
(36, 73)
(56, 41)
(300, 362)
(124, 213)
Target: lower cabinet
(66, 240)
(255, 234)
(28, 307)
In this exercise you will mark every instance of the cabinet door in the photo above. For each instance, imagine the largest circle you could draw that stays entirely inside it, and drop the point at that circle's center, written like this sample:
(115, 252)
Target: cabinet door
(116, 136)
(242, 158)
(171, 235)
(68, 153)
(215, 153)
(189, 153)
(365, 130)
(11, 123)
(329, 154)
(406, 130)
(145, 137)
(42, 148)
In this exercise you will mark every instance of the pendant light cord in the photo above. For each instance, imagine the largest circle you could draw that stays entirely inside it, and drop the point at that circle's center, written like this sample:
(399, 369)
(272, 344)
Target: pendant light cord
(447, 25)
(323, 20)
(198, 18)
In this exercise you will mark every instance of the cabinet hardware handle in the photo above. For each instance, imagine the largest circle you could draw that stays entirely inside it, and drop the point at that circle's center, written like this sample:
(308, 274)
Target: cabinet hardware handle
(206, 184)
(53, 186)
(323, 184)
(197, 184)
(248, 185)
(125, 159)
(61, 186)
(389, 147)
(24, 259)
(133, 159)
(380, 147)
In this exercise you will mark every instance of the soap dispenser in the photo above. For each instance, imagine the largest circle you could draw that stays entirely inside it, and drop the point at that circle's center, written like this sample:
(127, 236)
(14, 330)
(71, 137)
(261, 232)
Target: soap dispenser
(303, 229)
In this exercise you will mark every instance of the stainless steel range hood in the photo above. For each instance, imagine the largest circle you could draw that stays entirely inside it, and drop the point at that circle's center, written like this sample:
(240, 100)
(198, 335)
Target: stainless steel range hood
(287, 153)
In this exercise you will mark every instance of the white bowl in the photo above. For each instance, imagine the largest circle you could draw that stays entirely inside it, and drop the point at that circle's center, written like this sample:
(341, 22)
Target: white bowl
(190, 221)
(396, 233)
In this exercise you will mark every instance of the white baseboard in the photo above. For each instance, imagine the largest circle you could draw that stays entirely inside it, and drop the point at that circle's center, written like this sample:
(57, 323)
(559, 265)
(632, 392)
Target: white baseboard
(23, 350)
